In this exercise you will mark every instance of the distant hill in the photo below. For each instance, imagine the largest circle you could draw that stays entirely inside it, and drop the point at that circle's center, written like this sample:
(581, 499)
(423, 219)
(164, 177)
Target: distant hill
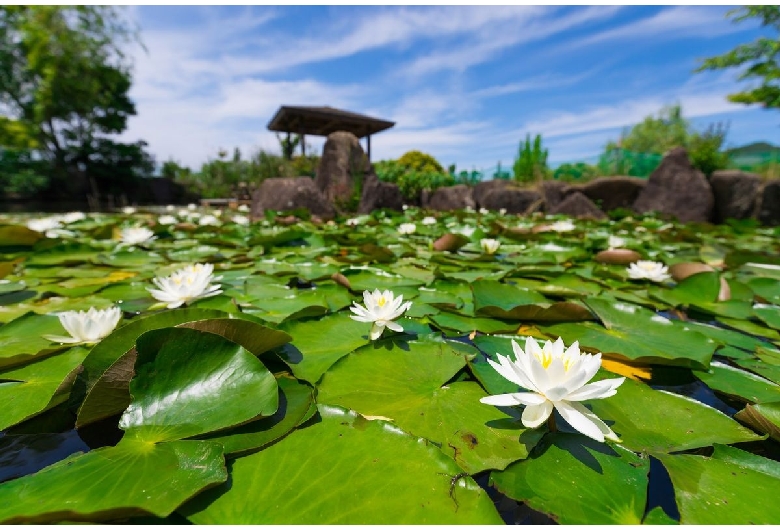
(756, 148)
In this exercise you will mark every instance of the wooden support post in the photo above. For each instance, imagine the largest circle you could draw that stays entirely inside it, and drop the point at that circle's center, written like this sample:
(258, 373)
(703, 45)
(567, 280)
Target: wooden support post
(368, 142)
(288, 154)
(303, 144)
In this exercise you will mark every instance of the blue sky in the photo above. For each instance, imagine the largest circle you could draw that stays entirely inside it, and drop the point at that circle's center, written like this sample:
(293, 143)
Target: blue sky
(464, 84)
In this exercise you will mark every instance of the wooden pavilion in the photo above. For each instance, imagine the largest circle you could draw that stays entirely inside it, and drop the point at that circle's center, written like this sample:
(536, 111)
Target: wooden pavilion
(321, 121)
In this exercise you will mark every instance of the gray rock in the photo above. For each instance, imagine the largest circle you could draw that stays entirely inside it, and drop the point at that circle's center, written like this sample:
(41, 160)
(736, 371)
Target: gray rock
(377, 194)
(769, 207)
(280, 194)
(578, 205)
(736, 194)
(482, 189)
(677, 189)
(514, 200)
(451, 198)
(342, 161)
(553, 192)
(609, 193)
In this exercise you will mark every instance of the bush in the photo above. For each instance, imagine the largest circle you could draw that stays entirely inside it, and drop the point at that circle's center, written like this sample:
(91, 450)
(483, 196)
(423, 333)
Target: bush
(419, 161)
(579, 172)
(412, 181)
(20, 175)
(531, 162)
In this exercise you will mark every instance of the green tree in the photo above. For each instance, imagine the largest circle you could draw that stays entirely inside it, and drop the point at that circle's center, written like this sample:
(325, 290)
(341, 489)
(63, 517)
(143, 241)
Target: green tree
(64, 85)
(760, 57)
(639, 149)
(531, 162)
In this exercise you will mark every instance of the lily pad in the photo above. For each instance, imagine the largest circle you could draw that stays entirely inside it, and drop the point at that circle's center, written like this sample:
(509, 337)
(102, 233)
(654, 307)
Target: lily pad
(353, 471)
(37, 386)
(576, 480)
(138, 476)
(655, 421)
(730, 487)
(739, 383)
(763, 417)
(21, 340)
(406, 384)
(217, 384)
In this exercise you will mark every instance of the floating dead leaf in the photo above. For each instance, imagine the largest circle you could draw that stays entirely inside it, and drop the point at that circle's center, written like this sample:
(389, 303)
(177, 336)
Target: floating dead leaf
(618, 256)
(340, 279)
(755, 416)
(632, 370)
(680, 271)
(450, 242)
(287, 221)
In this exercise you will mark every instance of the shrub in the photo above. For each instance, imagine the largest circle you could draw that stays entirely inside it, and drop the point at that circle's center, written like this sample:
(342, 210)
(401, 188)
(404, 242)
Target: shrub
(419, 161)
(579, 172)
(531, 162)
(411, 181)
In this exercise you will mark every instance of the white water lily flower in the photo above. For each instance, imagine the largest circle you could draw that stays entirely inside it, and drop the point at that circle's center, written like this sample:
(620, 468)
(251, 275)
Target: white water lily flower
(429, 221)
(243, 208)
(208, 220)
(87, 326)
(562, 226)
(217, 213)
(489, 246)
(381, 309)
(186, 285)
(192, 206)
(407, 228)
(240, 220)
(484, 211)
(138, 235)
(129, 210)
(648, 270)
(167, 220)
(352, 222)
(44, 224)
(170, 208)
(73, 217)
(556, 378)
(615, 242)
(502, 211)
(466, 230)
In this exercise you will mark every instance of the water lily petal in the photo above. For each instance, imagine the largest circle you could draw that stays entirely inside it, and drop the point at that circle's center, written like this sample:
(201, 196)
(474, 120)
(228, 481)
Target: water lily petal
(376, 331)
(510, 400)
(63, 340)
(394, 326)
(598, 390)
(574, 414)
(534, 415)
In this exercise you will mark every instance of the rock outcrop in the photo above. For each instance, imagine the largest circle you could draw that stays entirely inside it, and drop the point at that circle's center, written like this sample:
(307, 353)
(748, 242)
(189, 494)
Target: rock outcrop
(342, 162)
(280, 194)
(769, 207)
(513, 200)
(677, 189)
(451, 198)
(736, 194)
(578, 205)
(377, 194)
(609, 193)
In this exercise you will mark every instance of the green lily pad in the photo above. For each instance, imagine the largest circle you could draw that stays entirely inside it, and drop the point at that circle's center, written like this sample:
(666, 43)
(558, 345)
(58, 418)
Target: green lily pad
(14, 235)
(655, 421)
(730, 487)
(762, 368)
(738, 383)
(406, 385)
(638, 334)
(108, 368)
(576, 480)
(763, 417)
(352, 471)
(768, 314)
(133, 478)
(465, 324)
(37, 386)
(217, 384)
(296, 405)
(495, 299)
(21, 340)
(316, 345)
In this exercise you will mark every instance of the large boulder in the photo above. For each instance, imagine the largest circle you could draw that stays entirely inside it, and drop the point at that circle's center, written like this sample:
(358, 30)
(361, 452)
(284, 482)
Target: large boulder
(342, 161)
(736, 194)
(609, 193)
(451, 198)
(769, 207)
(483, 188)
(377, 194)
(578, 205)
(677, 189)
(281, 194)
(511, 199)
(553, 192)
